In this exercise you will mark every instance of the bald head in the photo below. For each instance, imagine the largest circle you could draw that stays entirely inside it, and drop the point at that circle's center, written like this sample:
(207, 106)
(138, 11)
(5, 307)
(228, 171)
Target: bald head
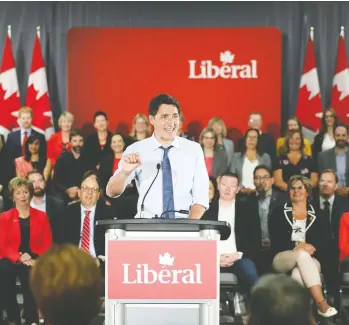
(277, 299)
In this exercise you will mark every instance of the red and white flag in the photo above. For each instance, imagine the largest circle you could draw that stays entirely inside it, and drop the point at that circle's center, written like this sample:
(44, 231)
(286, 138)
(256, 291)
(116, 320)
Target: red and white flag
(340, 85)
(309, 107)
(10, 101)
(37, 93)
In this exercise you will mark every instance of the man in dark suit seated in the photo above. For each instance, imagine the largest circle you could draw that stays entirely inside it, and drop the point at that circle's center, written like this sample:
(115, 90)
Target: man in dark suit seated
(79, 220)
(331, 207)
(260, 207)
(54, 207)
(337, 159)
(235, 252)
(266, 141)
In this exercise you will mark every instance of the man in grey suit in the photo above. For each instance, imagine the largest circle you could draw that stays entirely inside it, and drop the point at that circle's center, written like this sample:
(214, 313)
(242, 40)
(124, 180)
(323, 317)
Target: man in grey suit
(53, 206)
(337, 159)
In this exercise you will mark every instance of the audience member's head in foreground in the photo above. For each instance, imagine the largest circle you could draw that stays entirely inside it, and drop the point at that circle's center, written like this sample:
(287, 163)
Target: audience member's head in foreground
(277, 299)
(66, 285)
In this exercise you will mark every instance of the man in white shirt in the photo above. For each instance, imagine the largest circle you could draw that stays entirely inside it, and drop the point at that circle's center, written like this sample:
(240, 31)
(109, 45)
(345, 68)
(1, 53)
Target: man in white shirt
(178, 163)
(233, 211)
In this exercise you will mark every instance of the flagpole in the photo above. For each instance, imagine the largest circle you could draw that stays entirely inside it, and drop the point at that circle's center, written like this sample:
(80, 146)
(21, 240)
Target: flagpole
(312, 33)
(342, 31)
(9, 31)
(38, 31)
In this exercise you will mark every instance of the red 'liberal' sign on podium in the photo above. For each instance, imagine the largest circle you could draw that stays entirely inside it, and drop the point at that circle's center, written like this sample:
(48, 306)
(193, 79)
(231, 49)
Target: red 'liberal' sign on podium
(162, 269)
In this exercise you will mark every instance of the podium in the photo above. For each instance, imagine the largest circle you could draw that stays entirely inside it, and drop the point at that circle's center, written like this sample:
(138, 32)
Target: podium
(162, 271)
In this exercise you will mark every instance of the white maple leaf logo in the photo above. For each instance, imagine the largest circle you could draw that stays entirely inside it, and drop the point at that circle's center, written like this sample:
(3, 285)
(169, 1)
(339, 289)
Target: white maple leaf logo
(39, 81)
(166, 260)
(311, 81)
(341, 80)
(226, 57)
(9, 83)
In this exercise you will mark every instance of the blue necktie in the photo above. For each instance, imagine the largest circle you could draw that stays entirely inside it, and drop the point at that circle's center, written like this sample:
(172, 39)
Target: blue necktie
(167, 186)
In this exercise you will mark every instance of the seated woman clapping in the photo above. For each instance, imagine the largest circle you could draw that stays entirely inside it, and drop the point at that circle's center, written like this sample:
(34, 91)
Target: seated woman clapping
(298, 241)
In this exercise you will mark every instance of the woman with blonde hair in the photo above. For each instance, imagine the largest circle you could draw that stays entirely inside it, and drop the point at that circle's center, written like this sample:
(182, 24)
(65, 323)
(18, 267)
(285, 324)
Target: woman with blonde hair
(59, 141)
(299, 241)
(218, 125)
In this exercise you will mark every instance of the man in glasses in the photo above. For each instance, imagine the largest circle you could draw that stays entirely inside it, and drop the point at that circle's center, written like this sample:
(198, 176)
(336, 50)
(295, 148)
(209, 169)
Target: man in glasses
(79, 221)
(261, 206)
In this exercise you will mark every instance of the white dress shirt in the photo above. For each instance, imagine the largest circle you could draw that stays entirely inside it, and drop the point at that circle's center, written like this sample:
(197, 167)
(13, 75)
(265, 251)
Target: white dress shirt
(227, 214)
(189, 175)
(22, 134)
(92, 228)
(41, 206)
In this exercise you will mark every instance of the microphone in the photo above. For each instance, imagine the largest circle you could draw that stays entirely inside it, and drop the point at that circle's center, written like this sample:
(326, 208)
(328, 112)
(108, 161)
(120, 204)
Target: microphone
(178, 211)
(158, 166)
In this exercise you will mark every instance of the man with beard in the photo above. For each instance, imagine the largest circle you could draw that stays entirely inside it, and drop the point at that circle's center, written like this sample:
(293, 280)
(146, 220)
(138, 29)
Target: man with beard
(53, 206)
(337, 159)
(70, 167)
(261, 205)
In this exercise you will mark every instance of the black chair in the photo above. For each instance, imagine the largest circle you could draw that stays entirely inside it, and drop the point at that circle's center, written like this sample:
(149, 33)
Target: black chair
(228, 286)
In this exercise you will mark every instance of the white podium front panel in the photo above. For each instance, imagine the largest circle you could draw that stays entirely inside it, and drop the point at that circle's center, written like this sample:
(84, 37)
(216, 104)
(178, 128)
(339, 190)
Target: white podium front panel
(162, 278)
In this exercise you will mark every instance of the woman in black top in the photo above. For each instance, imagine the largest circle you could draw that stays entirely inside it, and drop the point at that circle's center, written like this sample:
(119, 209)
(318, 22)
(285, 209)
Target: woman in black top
(298, 241)
(293, 162)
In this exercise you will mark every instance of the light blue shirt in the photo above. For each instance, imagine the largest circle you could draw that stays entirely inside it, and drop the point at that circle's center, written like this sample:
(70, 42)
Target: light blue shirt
(341, 168)
(189, 175)
(92, 228)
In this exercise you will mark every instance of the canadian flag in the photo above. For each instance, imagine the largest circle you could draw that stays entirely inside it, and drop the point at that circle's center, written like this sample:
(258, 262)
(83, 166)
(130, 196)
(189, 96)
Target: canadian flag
(309, 107)
(340, 90)
(10, 101)
(37, 93)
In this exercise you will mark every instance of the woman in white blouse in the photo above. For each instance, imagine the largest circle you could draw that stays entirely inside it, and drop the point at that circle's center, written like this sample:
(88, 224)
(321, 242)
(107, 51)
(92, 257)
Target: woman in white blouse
(244, 162)
(324, 140)
(299, 241)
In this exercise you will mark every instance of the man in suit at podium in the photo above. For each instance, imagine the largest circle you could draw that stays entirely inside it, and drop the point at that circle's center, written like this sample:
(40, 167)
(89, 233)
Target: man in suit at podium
(170, 171)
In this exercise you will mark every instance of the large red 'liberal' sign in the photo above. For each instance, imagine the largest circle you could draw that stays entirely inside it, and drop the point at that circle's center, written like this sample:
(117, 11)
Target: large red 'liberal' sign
(226, 72)
(162, 269)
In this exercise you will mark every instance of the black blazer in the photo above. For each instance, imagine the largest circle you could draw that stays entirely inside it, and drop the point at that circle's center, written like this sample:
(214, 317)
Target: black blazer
(280, 229)
(255, 232)
(106, 168)
(317, 146)
(70, 231)
(242, 229)
(55, 212)
(93, 150)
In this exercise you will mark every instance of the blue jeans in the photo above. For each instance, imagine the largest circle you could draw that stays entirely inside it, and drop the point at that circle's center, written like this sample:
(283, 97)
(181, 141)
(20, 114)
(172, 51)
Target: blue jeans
(246, 272)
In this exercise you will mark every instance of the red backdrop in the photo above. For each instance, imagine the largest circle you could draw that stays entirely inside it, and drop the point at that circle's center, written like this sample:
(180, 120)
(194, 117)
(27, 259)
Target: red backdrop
(118, 70)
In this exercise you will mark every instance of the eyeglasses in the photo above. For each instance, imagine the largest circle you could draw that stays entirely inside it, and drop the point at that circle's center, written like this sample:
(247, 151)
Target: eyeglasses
(259, 178)
(299, 188)
(209, 138)
(90, 189)
(252, 138)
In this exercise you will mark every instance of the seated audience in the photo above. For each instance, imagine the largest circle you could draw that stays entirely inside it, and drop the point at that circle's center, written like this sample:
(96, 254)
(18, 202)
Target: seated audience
(70, 168)
(266, 141)
(25, 234)
(79, 220)
(66, 285)
(244, 162)
(98, 144)
(141, 129)
(293, 123)
(214, 154)
(218, 125)
(33, 159)
(260, 207)
(298, 242)
(51, 205)
(337, 159)
(180, 132)
(59, 142)
(235, 250)
(324, 140)
(278, 300)
(292, 161)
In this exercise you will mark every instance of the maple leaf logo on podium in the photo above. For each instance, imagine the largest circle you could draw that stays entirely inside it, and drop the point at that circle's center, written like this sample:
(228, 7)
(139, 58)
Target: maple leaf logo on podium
(226, 57)
(166, 260)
